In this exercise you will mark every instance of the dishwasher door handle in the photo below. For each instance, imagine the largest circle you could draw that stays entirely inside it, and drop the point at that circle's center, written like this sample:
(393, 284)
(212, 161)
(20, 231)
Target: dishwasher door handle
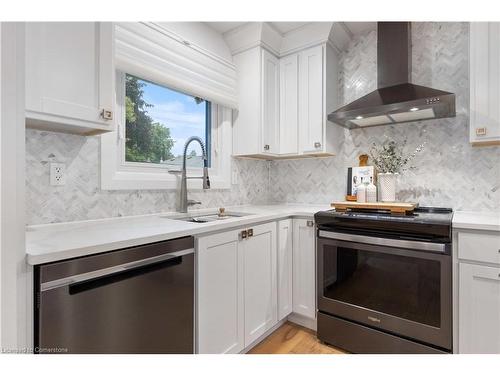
(110, 271)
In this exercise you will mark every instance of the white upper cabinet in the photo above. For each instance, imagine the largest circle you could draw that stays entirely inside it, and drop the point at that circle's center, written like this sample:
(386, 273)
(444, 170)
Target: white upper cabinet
(311, 117)
(284, 103)
(256, 122)
(270, 103)
(485, 83)
(289, 105)
(70, 76)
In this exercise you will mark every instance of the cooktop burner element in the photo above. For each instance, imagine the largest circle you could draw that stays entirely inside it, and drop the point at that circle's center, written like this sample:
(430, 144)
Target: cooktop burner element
(424, 223)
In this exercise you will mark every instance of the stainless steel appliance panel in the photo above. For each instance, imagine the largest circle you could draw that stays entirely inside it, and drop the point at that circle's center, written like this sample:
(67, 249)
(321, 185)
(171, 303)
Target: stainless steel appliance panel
(137, 300)
(397, 290)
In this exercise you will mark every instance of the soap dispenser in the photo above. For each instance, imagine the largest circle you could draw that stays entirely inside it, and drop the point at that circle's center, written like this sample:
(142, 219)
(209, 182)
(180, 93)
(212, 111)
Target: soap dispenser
(371, 192)
(361, 192)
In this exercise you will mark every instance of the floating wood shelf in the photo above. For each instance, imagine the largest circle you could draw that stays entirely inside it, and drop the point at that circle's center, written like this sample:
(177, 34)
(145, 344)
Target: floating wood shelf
(394, 208)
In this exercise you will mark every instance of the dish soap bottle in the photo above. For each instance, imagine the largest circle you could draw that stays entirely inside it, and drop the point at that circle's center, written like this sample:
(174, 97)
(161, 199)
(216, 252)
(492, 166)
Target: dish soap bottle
(361, 192)
(371, 192)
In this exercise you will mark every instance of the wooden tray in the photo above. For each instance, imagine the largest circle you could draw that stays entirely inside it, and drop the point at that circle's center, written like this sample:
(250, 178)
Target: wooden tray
(395, 208)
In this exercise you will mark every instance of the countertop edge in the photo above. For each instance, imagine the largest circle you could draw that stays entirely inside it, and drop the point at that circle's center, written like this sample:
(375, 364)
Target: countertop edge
(487, 221)
(37, 259)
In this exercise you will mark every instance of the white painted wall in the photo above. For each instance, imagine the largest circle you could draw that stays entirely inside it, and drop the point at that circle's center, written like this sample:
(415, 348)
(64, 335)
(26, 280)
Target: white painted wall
(14, 274)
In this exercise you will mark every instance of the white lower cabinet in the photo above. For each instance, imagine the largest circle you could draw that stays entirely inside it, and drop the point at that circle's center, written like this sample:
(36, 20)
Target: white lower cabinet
(236, 288)
(304, 268)
(220, 304)
(478, 254)
(260, 281)
(285, 249)
(479, 309)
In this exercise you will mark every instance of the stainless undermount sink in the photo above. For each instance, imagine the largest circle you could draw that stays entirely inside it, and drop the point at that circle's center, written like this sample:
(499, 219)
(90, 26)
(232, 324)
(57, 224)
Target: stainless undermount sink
(208, 217)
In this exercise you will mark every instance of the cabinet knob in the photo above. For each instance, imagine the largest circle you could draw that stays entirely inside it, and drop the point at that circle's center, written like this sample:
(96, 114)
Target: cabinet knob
(250, 233)
(310, 223)
(317, 144)
(266, 147)
(244, 234)
(107, 115)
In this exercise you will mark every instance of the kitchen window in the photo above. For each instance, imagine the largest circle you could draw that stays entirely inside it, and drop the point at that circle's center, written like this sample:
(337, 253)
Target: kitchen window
(159, 120)
(153, 124)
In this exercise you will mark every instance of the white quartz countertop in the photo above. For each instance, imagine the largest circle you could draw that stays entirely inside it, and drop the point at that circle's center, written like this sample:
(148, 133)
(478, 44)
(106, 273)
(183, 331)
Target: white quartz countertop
(54, 242)
(476, 220)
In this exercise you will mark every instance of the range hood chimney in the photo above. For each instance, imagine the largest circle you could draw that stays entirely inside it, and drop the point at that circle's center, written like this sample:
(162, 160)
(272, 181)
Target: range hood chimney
(396, 98)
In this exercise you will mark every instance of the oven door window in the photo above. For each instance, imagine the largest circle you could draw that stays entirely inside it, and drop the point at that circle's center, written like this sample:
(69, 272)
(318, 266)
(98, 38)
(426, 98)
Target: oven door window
(402, 286)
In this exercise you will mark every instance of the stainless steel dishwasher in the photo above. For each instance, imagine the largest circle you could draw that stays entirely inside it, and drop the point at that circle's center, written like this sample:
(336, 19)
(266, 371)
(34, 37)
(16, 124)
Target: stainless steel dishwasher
(135, 300)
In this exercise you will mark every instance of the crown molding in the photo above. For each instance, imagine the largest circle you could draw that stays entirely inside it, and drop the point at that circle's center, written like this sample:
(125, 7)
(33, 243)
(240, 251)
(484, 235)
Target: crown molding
(263, 34)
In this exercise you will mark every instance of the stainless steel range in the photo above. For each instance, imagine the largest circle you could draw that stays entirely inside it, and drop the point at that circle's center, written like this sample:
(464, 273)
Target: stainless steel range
(384, 281)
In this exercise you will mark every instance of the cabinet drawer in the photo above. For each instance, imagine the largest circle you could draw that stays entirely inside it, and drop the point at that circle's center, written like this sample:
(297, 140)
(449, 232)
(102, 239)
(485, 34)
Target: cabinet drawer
(481, 247)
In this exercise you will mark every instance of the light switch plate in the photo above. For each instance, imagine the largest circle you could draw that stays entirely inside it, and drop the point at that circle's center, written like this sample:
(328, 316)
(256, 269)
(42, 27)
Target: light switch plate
(57, 174)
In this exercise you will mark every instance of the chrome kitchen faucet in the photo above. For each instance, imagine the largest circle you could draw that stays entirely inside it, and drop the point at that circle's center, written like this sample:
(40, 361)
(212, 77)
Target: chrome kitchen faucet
(184, 202)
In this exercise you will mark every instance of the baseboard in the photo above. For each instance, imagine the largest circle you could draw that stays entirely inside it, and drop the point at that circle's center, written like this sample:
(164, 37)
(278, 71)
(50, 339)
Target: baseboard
(303, 321)
(263, 336)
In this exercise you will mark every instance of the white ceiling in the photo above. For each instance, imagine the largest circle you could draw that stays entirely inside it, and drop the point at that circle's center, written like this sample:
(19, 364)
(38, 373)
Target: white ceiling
(354, 28)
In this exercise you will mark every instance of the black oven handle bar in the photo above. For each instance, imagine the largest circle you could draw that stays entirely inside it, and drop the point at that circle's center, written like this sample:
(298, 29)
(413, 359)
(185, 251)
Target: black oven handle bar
(404, 244)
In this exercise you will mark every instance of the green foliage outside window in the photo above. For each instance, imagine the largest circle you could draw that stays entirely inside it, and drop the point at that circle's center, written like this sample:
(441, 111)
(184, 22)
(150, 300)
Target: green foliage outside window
(147, 141)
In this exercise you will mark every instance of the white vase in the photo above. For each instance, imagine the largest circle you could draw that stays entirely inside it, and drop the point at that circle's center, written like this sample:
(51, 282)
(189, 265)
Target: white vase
(387, 182)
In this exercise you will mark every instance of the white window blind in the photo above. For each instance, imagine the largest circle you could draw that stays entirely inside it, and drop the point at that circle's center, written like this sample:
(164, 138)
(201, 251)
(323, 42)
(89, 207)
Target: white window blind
(154, 53)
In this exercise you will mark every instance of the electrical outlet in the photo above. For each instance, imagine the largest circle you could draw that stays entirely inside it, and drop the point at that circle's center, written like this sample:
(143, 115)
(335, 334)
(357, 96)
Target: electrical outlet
(57, 174)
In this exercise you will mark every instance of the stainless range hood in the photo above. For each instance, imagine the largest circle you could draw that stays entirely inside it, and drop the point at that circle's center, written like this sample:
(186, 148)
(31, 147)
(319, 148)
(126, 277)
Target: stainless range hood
(396, 99)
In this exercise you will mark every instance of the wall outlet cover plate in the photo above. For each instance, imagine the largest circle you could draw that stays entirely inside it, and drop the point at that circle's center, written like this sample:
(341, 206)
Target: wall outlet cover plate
(57, 174)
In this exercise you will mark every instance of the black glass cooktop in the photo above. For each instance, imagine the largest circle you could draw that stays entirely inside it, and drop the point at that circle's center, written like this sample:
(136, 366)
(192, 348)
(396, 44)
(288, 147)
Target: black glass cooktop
(429, 223)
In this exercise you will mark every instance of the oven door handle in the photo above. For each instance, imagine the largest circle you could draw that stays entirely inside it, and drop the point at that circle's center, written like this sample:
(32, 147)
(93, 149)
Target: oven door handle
(110, 271)
(404, 244)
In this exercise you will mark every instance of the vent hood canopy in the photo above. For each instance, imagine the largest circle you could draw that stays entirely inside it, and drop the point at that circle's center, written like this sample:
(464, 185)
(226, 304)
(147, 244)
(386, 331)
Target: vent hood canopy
(396, 99)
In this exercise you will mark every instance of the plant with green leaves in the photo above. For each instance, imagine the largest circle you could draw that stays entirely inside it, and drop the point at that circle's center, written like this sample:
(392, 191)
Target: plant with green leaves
(147, 141)
(391, 157)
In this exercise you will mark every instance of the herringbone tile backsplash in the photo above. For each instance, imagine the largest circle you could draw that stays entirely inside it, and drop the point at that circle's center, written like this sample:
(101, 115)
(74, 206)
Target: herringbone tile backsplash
(82, 198)
(450, 172)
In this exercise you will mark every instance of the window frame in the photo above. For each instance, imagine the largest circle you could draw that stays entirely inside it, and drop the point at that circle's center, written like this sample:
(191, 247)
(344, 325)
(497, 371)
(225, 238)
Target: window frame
(118, 174)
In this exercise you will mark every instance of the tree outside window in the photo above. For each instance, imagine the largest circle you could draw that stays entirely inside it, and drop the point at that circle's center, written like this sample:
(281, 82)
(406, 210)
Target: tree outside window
(158, 122)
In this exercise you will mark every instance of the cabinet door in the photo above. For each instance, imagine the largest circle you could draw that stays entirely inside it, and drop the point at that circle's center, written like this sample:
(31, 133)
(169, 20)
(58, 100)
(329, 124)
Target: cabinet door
(484, 82)
(247, 119)
(285, 236)
(311, 100)
(304, 268)
(260, 281)
(70, 73)
(289, 102)
(220, 294)
(270, 103)
(479, 309)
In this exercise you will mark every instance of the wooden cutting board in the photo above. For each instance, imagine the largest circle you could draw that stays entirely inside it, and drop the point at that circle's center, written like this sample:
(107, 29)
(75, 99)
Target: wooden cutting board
(394, 207)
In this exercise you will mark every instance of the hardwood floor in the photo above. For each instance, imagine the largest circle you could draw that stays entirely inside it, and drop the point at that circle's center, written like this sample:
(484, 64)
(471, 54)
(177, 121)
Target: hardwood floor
(293, 339)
